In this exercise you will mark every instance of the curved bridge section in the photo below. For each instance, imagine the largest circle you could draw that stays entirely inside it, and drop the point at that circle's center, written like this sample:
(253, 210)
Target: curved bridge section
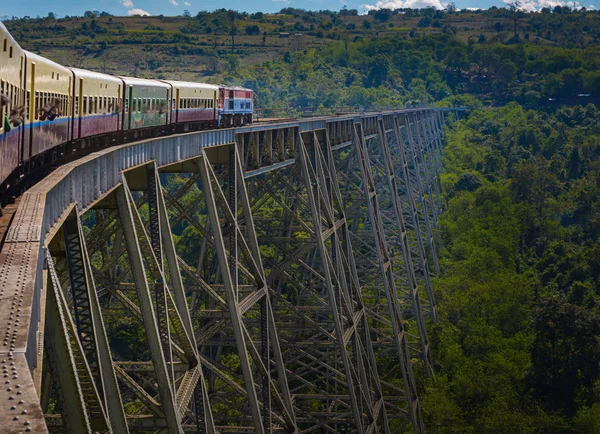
(274, 278)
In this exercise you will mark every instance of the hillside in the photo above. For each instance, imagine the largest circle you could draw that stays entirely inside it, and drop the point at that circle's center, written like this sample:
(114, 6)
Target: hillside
(200, 46)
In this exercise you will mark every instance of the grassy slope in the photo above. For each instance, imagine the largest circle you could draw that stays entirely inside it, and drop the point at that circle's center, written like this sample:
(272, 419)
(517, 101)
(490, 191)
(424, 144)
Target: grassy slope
(146, 45)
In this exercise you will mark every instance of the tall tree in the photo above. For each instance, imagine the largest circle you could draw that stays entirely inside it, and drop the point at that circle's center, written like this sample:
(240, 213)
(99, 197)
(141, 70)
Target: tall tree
(515, 10)
(232, 17)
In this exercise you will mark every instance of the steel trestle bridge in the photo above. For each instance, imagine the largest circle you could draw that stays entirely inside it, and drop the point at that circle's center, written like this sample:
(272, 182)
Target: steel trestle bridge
(271, 278)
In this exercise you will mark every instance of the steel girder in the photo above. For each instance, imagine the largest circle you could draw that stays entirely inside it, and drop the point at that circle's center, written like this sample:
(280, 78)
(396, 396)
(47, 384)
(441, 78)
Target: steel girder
(278, 282)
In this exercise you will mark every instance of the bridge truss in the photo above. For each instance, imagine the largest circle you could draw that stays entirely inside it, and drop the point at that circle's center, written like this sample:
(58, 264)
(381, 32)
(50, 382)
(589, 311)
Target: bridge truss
(273, 278)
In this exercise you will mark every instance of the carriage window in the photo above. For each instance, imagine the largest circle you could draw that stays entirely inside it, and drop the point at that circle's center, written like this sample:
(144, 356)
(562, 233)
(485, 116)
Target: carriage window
(5, 44)
(36, 105)
(105, 104)
(27, 104)
(76, 107)
(10, 52)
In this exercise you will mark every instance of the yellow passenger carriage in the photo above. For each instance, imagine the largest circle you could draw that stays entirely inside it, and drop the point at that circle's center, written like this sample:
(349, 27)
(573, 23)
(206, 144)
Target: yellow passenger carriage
(12, 63)
(97, 104)
(48, 105)
(194, 104)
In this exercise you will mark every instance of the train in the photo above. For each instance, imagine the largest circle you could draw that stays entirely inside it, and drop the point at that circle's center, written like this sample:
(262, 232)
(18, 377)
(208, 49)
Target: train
(50, 111)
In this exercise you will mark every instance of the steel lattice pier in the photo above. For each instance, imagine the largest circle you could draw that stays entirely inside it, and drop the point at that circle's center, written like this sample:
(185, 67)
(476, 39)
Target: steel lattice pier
(273, 278)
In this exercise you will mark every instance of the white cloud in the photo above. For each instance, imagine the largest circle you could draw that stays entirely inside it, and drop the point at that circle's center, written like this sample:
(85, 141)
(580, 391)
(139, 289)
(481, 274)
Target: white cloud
(537, 5)
(187, 3)
(401, 4)
(126, 3)
(141, 12)
(173, 2)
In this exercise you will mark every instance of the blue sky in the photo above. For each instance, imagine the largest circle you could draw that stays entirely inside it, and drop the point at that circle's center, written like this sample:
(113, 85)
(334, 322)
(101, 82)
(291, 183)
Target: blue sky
(176, 7)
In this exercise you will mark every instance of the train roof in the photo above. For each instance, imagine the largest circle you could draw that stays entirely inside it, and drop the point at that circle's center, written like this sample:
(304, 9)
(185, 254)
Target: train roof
(144, 82)
(4, 31)
(42, 60)
(190, 85)
(95, 75)
(235, 87)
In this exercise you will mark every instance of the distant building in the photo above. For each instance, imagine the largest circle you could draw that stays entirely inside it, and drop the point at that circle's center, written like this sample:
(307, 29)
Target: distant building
(284, 35)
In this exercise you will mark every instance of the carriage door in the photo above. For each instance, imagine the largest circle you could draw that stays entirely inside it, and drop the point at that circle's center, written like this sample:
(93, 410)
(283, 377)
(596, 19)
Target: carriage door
(23, 103)
(129, 106)
(68, 109)
(32, 112)
(118, 107)
(231, 100)
(79, 108)
(176, 105)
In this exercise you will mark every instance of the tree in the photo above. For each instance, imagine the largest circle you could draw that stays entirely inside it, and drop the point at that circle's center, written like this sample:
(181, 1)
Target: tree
(515, 10)
(565, 354)
(232, 16)
(252, 30)
(105, 59)
(382, 15)
(232, 64)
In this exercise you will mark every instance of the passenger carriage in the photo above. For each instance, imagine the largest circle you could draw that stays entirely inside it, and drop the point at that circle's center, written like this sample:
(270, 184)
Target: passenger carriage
(146, 105)
(12, 63)
(193, 104)
(45, 83)
(97, 104)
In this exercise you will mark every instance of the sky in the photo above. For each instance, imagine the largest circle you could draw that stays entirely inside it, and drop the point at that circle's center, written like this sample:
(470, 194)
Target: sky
(61, 8)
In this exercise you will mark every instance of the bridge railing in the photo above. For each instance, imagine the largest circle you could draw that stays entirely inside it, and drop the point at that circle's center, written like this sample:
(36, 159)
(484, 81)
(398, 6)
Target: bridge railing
(309, 112)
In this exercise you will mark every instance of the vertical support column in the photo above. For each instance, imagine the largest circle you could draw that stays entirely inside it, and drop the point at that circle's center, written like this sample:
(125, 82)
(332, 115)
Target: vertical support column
(388, 280)
(160, 290)
(80, 406)
(148, 313)
(428, 157)
(313, 192)
(421, 191)
(269, 335)
(90, 326)
(418, 150)
(406, 254)
(231, 292)
(406, 179)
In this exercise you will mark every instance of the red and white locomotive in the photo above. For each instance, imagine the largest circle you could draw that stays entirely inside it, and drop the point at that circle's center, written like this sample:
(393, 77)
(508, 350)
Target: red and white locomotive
(49, 110)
